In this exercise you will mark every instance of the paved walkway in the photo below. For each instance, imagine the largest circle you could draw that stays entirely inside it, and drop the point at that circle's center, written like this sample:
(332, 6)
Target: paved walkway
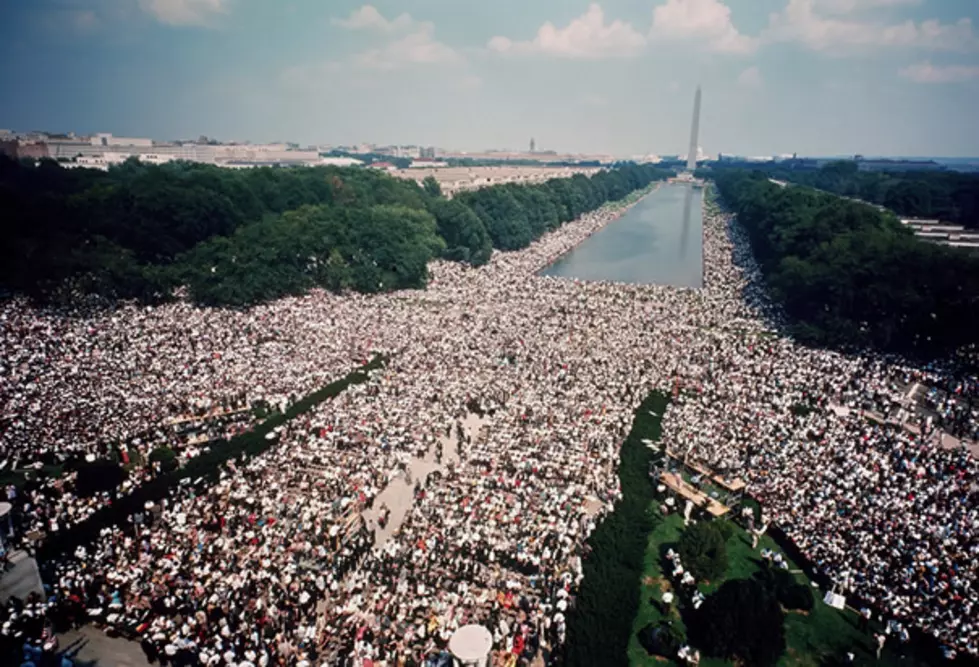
(398, 495)
(21, 578)
(93, 648)
(90, 647)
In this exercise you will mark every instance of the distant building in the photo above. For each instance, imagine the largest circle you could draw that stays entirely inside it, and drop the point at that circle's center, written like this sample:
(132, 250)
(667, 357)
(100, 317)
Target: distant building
(33, 150)
(427, 152)
(105, 139)
(20, 150)
(263, 153)
(423, 163)
(533, 145)
(864, 164)
(9, 148)
(807, 163)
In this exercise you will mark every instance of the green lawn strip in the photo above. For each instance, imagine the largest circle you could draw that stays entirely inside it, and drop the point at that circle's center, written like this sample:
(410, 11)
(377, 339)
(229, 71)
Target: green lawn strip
(810, 638)
(600, 625)
(207, 465)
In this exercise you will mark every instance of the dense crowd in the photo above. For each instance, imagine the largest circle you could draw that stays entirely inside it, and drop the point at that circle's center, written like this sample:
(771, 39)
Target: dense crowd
(275, 563)
(850, 464)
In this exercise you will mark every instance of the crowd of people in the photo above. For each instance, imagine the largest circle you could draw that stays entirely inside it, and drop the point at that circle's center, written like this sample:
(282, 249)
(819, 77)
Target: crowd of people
(849, 466)
(275, 563)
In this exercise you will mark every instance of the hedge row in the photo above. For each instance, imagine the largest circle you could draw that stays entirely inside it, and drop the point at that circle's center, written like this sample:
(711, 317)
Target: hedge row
(208, 466)
(600, 626)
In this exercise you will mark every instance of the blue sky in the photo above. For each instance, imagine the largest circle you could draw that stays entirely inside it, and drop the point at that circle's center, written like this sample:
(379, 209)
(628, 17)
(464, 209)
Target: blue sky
(817, 77)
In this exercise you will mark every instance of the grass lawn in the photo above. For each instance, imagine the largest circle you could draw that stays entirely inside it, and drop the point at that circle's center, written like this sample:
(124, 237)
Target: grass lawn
(810, 637)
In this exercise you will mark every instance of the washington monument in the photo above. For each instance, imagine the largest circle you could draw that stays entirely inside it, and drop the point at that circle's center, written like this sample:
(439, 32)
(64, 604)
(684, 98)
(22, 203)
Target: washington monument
(694, 131)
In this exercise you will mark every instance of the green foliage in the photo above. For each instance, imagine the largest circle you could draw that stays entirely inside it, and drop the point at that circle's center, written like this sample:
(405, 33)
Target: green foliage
(431, 187)
(741, 621)
(800, 409)
(166, 457)
(97, 477)
(516, 215)
(600, 625)
(664, 639)
(949, 196)
(383, 247)
(783, 585)
(238, 238)
(850, 275)
(207, 466)
(798, 597)
(672, 637)
(465, 235)
(702, 550)
(725, 527)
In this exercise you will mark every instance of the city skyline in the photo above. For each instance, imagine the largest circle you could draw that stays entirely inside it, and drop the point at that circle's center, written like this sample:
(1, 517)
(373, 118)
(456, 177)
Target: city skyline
(815, 77)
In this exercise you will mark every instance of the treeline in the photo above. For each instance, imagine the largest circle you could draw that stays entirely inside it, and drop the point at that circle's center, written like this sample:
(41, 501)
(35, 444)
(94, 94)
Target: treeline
(947, 195)
(239, 237)
(850, 275)
(600, 623)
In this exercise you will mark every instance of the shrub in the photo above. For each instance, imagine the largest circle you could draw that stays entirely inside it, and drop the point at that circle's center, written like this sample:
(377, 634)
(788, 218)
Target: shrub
(207, 465)
(796, 596)
(664, 639)
(726, 528)
(703, 551)
(790, 593)
(601, 624)
(742, 621)
(98, 476)
(800, 409)
(166, 457)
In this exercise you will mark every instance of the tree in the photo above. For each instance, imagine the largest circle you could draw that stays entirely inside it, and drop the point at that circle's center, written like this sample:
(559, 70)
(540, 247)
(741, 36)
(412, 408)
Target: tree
(798, 597)
(431, 187)
(849, 275)
(664, 639)
(703, 552)
(790, 593)
(465, 236)
(503, 216)
(741, 621)
(236, 238)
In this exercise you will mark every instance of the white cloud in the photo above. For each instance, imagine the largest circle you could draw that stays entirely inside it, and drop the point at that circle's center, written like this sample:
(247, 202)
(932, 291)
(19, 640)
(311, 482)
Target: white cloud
(412, 42)
(706, 20)
(927, 73)
(184, 12)
(751, 78)
(368, 18)
(416, 48)
(799, 22)
(849, 6)
(587, 37)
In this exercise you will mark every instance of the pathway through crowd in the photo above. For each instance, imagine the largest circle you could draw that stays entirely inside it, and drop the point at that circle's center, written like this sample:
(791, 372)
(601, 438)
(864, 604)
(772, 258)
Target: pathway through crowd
(398, 495)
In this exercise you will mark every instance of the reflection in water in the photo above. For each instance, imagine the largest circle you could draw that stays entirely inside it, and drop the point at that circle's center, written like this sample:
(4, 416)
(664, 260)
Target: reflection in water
(685, 234)
(655, 242)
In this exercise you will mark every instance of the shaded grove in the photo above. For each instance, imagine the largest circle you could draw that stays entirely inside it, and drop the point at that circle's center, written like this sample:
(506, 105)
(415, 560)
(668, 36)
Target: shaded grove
(850, 275)
(235, 238)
